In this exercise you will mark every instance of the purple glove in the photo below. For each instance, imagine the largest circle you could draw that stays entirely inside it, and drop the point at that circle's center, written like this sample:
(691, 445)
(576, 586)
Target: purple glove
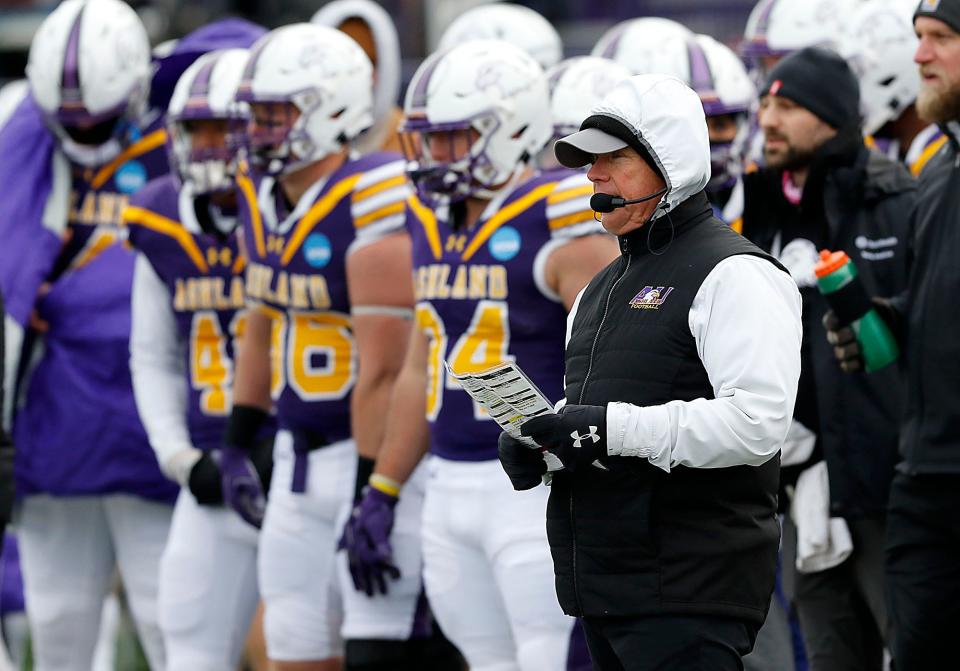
(242, 490)
(366, 538)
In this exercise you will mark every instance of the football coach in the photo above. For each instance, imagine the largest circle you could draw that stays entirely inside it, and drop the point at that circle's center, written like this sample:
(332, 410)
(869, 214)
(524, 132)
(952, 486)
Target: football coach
(682, 362)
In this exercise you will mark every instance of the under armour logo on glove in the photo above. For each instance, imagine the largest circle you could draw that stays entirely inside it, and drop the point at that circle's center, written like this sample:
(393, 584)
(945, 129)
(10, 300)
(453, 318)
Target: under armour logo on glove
(578, 439)
(577, 435)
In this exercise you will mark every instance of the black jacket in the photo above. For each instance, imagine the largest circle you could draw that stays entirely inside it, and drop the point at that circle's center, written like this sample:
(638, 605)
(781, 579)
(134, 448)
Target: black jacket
(857, 201)
(930, 434)
(631, 539)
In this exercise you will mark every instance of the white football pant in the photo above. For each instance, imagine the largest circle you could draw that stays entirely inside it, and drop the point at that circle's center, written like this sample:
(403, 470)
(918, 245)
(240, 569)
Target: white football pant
(208, 587)
(488, 570)
(69, 547)
(296, 566)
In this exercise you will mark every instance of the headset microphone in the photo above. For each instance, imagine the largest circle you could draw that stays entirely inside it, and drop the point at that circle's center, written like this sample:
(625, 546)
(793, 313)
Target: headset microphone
(604, 202)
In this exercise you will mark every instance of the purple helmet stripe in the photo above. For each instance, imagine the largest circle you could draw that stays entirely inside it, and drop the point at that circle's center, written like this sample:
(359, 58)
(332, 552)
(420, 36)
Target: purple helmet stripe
(419, 98)
(763, 21)
(701, 79)
(200, 88)
(610, 50)
(71, 96)
(245, 90)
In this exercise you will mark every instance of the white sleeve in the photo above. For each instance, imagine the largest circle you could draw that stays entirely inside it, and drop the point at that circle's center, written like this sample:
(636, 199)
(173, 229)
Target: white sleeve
(745, 320)
(159, 375)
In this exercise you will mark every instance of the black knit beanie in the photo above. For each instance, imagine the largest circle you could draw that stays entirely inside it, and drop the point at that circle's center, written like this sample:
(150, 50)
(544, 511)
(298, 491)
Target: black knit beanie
(947, 11)
(820, 81)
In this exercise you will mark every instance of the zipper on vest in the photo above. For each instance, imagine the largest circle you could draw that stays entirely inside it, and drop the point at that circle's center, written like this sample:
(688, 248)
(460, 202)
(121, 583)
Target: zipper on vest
(583, 388)
(596, 337)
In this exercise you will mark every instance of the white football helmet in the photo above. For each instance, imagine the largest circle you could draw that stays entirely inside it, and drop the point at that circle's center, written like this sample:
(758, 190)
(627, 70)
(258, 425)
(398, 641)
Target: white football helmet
(879, 46)
(720, 79)
(326, 76)
(206, 91)
(646, 46)
(576, 84)
(487, 90)
(776, 28)
(516, 24)
(89, 71)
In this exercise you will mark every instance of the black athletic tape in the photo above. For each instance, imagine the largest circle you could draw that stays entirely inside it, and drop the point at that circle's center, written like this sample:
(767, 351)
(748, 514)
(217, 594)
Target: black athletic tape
(243, 426)
(364, 471)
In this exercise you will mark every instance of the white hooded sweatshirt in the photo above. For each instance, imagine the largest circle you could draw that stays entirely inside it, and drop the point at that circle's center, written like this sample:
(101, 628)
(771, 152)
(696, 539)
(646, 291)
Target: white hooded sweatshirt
(745, 318)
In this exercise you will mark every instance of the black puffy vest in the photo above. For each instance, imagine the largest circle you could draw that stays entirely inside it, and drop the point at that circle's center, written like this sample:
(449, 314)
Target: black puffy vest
(634, 540)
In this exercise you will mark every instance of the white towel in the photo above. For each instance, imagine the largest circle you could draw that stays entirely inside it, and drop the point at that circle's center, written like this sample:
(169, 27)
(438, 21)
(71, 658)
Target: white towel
(798, 445)
(822, 541)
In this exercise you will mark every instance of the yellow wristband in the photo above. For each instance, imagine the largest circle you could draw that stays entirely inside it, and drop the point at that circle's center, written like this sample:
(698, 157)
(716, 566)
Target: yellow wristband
(382, 483)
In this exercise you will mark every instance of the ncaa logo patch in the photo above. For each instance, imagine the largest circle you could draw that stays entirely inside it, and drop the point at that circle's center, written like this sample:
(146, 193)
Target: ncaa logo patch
(317, 250)
(504, 244)
(130, 177)
(650, 298)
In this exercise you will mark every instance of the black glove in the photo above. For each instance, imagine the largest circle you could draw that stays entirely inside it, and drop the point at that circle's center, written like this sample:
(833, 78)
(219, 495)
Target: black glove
(524, 465)
(577, 435)
(204, 481)
(846, 349)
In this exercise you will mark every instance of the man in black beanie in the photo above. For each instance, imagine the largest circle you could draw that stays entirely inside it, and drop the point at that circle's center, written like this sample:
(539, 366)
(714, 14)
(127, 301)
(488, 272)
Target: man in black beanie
(923, 537)
(821, 188)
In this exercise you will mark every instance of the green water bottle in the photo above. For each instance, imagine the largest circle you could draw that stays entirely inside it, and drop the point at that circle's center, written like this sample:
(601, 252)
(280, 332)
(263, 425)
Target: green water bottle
(837, 278)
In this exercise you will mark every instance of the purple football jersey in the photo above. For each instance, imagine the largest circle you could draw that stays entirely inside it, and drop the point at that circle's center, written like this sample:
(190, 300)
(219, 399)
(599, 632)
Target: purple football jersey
(78, 431)
(482, 299)
(204, 274)
(297, 275)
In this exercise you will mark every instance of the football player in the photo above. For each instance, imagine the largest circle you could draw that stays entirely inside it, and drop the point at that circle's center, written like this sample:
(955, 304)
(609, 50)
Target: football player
(500, 251)
(328, 281)
(93, 498)
(516, 24)
(188, 302)
(575, 85)
(371, 26)
(880, 47)
(720, 79)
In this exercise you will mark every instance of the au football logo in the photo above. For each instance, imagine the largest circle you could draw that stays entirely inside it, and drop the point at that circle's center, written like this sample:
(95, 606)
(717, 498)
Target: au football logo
(650, 298)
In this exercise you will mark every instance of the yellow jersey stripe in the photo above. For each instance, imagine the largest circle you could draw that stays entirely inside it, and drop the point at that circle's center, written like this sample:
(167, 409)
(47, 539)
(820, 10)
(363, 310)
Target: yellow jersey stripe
(511, 211)
(927, 154)
(569, 194)
(245, 185)
(318, 211)
(571, 219)
(386, 184)
(138, 148)
(367, 219)
(239, 264)
(99, 246)
(737, 225)
(429, 222)
(168, 227)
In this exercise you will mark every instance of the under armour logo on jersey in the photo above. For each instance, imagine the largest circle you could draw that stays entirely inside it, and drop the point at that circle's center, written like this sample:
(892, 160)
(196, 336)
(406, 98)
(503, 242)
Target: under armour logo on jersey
(578, 439)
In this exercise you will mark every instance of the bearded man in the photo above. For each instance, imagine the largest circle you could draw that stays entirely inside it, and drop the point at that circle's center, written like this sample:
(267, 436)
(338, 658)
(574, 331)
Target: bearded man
(923, 538)
(821, 188)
